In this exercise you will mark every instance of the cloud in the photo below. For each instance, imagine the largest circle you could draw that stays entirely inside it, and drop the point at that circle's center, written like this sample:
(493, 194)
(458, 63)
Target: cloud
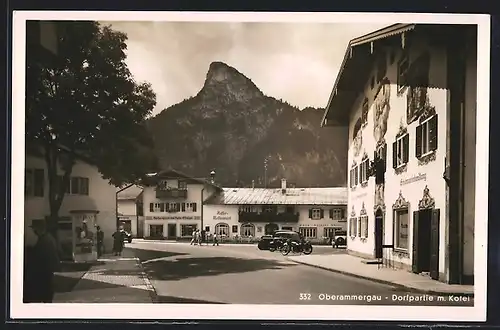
(297, 62)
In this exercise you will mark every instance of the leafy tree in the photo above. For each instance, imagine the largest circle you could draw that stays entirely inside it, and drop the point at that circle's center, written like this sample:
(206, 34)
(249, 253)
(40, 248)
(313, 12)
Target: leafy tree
(84, 101)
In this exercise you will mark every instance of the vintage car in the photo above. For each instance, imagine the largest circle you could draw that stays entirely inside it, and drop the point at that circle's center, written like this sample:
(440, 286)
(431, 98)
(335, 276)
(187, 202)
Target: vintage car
(340, 239)
(275, 241)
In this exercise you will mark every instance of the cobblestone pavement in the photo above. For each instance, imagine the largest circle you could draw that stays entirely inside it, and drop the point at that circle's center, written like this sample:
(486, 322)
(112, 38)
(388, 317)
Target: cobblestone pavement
(111, 280)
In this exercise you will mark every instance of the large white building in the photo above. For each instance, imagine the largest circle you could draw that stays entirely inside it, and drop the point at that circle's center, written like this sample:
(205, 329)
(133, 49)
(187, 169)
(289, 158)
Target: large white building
(317, 213)
(408, 95)
(89, 201)
(173, 204)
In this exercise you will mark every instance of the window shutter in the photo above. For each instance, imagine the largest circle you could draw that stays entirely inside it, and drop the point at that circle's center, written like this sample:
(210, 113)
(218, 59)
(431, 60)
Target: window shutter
(322, 213)
(384, 157)
(394, 155)
(310, 213)
(356, 176)
(418, 142)
(194, 207)
(433, 133)
(151, 207)
(39, 182)
(177, 207)
(167, 207)
(406, 148)
(331, 213)
(342, 213)
(162, 207)
(183, 207)
(359, 227)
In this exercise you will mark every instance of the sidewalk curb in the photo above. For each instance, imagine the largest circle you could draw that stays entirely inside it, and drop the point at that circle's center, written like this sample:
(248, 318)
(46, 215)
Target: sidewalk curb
(152, 291)
(402, 286)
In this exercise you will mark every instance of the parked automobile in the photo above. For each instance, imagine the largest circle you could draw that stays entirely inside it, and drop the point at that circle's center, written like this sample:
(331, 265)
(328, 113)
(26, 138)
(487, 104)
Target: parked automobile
(340, 239)
(280, 237)
(264, 242)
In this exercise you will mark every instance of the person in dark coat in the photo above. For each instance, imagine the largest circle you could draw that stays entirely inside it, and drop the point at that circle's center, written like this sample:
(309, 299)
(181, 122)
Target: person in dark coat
(99, 241)
(44, 263)
(118, 241)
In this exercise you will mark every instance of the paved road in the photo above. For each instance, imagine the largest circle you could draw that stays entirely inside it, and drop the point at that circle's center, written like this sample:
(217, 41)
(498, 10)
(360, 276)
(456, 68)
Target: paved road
(241, 274)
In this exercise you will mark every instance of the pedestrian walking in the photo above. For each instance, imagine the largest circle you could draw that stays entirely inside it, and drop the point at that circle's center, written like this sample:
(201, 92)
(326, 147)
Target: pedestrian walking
(45, 262)
(203, 237)
(193, 239)
(118, 241)
(216, 239)
(99, 241)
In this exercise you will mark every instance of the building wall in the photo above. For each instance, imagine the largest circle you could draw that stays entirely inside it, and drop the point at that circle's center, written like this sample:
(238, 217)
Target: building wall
(128, 210)
(470, 161)
(412, 182)
(179, 218)
(228, 214)
(101, 194)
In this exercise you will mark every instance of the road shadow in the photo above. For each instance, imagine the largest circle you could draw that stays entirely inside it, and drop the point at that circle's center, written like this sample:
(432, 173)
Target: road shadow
(145, 254)
(186, 267)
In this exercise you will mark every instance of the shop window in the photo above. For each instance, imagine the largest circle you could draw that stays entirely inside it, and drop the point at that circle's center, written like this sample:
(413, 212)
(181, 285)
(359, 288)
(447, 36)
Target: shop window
(222, 229)
(248, 230)
(308, 232)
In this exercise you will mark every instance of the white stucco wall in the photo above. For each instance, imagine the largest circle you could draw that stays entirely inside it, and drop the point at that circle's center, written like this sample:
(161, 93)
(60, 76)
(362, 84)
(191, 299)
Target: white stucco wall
(433, 171)
(100, 192)
(179, 218)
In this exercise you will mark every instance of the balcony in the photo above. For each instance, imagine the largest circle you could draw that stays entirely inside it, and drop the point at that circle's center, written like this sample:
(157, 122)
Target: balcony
(268, 217)
(171, 193)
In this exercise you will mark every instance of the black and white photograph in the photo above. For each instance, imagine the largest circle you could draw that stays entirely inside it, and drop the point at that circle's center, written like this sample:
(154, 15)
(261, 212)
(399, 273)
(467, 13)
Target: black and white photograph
(269, 166)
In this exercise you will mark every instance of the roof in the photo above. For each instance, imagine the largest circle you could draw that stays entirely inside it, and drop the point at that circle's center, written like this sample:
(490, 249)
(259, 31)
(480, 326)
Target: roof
(293, 196)
(131, 193)
(358, 62)
(175, 174)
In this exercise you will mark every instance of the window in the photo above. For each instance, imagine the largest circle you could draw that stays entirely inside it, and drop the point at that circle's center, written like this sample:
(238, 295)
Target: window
(353, 224)
(380, 157)
(190, 207)
(427, 138)
(207, 229)
(316, 214)
(248, 230)
(234, 229)
(400, 151)
(79, 186)
(259, 229)
(403, 66)
(187, 230)
(329, 232)
(290, 209)
(363, 226)
(156, 207)
(222, 229)
(286, 228)
(401, 229)
(269, 208)
(156, 231)
(336, 214)
(34, 184)
(182, 185)
(363, 170)
(354, 177)
(308, 232)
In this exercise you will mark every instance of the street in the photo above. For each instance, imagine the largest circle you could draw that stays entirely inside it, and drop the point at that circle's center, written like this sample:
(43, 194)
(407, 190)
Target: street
(242, 274)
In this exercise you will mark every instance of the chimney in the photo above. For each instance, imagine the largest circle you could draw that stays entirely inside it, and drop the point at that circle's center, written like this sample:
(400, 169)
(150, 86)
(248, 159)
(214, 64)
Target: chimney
(212, 176)
(253, 184)
(283, 186)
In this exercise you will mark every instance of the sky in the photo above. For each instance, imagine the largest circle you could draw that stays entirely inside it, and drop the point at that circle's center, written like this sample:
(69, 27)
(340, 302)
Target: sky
(297, 62)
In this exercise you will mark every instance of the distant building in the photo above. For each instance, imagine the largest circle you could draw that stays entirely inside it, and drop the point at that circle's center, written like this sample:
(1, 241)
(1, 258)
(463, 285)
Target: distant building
(408, 95)
(131, 211)
(173, 204)
(317, 213)
(89, 201)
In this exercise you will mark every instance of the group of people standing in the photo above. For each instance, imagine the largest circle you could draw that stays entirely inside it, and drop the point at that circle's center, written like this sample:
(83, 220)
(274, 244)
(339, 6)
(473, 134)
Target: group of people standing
(200, 237)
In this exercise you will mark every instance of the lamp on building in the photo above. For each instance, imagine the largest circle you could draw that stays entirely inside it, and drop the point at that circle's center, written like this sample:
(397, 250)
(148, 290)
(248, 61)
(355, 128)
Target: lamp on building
(125, 188)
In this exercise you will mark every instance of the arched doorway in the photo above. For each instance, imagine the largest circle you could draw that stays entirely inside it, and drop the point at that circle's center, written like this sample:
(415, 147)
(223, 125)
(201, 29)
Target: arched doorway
(379, 233)
(270, 228)
(222, 229)
(247, 230)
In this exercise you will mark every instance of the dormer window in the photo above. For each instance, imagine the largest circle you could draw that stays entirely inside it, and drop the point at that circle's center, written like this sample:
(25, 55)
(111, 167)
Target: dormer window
(182, 184)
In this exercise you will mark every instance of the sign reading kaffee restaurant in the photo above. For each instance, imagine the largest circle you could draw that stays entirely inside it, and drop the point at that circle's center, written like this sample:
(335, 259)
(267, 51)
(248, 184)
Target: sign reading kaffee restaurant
(174, 217)
(222, 215)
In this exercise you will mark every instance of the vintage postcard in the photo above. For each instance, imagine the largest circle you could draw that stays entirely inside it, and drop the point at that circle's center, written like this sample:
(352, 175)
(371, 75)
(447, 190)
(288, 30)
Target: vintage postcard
(266, 166)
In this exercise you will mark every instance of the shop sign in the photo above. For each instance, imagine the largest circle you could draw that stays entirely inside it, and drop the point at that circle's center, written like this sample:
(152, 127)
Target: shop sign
(414, 178)
(222, 216)
(174, 217)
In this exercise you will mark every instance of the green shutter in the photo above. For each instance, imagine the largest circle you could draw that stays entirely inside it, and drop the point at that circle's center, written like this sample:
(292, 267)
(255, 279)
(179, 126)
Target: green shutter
(394, 154)
(418, 142)
(194, 207)
(322, 213)
(406, 148)
(183, 206)
(310, 213)
(151, 207)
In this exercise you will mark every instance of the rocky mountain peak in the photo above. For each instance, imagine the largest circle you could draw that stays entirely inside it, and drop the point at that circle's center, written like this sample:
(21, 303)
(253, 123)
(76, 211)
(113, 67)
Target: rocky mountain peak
(224, 77)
